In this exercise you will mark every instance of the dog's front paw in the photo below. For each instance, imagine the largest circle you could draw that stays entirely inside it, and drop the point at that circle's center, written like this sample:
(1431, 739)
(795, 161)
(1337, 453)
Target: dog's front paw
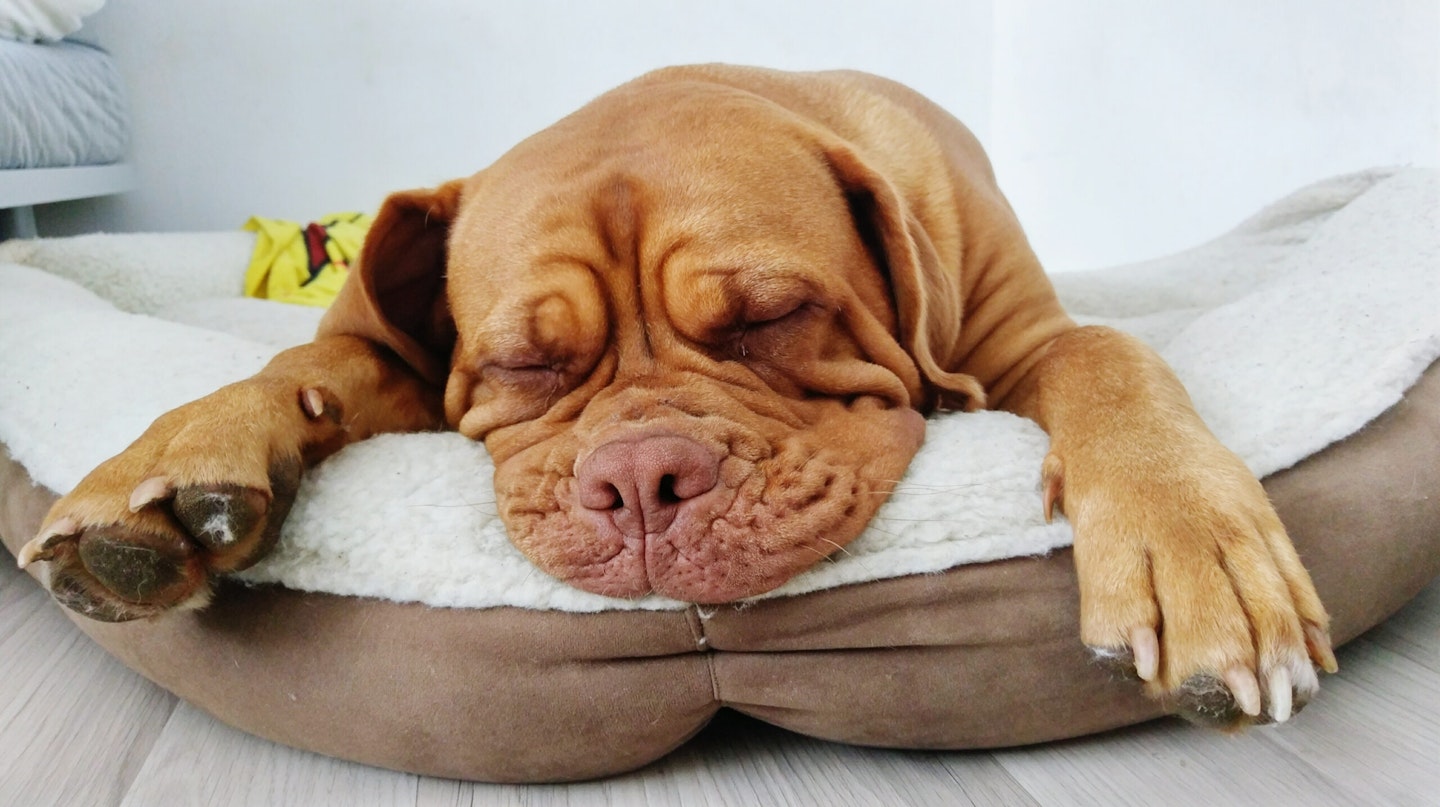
(1189, 581)
(203, 491)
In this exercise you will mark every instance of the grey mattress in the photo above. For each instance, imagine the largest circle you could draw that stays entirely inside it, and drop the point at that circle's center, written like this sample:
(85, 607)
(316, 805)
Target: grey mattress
(61, 104)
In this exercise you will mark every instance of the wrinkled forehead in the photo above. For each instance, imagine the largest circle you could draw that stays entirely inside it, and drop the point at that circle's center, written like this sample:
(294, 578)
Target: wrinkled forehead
(701, 185)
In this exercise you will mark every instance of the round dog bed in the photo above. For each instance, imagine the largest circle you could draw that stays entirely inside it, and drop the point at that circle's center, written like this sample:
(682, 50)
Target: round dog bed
(951, 624)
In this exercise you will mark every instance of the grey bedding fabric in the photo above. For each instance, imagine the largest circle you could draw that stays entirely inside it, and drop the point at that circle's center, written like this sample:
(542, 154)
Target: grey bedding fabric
(61, 104)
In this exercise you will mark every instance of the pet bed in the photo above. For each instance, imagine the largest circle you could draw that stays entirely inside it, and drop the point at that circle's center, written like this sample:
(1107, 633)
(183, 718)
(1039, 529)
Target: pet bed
(951, 623)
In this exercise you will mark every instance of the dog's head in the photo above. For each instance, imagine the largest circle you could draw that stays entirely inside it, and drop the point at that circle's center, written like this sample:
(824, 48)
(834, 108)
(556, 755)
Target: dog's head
(695, 330)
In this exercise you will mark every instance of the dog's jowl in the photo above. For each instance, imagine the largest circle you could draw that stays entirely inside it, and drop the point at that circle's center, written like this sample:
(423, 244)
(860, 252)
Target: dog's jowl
(698, 324)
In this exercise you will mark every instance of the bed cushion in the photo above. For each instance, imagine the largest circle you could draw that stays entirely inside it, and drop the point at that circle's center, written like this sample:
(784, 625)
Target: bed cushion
(894, 644)
(61, 104)
(43, 20)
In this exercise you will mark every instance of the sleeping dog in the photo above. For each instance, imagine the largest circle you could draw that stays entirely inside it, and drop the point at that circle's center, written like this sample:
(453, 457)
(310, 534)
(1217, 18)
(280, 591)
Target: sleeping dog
(698, 324)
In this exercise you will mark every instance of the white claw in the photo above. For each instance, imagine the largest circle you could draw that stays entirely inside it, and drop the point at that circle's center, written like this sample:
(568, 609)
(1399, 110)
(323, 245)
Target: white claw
(1306, 682)
(39, 546)
(1145, 648)
(29, 552)
(1318, 639)
(1280, 694)
(151, 490)
(1245, 689)
(313, 403)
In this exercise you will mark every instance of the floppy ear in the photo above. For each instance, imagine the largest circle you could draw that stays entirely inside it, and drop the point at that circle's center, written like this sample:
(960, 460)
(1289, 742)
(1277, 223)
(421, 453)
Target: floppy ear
(928, 297)
(396, 293)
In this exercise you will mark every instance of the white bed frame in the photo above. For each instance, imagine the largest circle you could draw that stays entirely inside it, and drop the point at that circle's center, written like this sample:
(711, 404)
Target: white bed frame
(22, 189)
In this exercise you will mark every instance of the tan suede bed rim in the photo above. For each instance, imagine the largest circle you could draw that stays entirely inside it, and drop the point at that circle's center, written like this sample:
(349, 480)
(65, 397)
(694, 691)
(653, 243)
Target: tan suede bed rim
(980, 656)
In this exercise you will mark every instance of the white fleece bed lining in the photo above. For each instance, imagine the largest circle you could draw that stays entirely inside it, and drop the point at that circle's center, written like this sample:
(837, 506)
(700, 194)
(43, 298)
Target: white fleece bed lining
(1291, 332)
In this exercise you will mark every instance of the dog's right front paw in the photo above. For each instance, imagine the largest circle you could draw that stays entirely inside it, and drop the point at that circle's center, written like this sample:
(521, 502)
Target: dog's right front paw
(203, 491)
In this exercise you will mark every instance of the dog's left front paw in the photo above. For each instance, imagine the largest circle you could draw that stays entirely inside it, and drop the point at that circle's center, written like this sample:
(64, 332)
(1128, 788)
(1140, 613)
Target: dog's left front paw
(1189, 581)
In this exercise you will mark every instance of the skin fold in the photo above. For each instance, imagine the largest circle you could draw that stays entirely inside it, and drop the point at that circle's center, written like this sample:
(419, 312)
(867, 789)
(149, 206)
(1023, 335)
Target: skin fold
(698, 324)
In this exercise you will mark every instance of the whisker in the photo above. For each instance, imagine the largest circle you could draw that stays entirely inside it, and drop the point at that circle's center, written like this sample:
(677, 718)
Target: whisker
(873, 526)
(936, 491)
(462, 504)
(902, 484)
(852, 558)
(920, 520)
(819, 554)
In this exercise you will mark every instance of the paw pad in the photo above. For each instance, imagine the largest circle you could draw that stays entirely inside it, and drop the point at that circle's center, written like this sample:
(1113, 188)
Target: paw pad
(220, 517)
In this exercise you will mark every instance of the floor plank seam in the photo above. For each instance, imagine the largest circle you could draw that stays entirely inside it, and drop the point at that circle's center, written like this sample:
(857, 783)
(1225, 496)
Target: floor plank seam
(140, 762)
(1267, 736)
(134, 769)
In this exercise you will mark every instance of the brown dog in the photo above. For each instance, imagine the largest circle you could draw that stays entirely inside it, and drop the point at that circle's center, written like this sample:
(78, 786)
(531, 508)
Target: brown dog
(696, 324)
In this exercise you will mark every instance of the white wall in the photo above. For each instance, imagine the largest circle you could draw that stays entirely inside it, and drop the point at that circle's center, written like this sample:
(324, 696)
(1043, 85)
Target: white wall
(296, 108)
(1121, 129)
(1126, 129)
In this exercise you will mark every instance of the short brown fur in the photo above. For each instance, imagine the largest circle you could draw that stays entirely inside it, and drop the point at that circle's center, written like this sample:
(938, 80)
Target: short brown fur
(748, 285)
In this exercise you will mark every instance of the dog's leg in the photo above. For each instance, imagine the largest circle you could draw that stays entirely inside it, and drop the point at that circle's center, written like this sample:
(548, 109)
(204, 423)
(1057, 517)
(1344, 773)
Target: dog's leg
(1185, 570)
(206, 487)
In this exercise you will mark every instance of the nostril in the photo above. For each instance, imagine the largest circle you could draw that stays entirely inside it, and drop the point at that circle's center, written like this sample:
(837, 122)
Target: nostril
(600, 494)
(666, 490)
(651, 477)
(690, 481)
(616, 500)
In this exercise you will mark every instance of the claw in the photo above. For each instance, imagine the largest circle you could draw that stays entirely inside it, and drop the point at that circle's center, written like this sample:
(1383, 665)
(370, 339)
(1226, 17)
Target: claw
(1317, 639)
(1245, 689)
(313, 403)
(1145, 646)
(150, 491)
(31, 552)
(1307, 683)
(1280, 700)
(39, 547)
(1052, 479)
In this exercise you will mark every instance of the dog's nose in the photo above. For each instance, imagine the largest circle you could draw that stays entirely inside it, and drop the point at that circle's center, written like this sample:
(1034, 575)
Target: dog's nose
(645, 482)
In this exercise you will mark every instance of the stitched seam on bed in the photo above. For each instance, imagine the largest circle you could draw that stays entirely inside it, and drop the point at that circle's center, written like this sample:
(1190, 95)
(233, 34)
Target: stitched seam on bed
(702, 644)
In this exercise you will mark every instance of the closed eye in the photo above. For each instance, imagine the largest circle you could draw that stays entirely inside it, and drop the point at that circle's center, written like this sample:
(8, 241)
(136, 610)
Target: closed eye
(769, 335)
(525, 377)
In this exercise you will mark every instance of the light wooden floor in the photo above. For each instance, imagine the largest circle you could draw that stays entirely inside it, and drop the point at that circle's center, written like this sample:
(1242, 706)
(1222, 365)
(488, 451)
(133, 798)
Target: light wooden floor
(77, 728)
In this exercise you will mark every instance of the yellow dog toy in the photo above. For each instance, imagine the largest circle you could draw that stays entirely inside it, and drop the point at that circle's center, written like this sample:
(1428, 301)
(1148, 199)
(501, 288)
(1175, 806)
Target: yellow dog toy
(304, 265)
